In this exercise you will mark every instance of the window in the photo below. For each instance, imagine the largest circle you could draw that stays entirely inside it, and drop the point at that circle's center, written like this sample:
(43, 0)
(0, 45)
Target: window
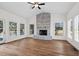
(1, 30)
(76, 28)
(22, 29)
(13, 28)
(59, 28)
(31, 28)
(70, 28)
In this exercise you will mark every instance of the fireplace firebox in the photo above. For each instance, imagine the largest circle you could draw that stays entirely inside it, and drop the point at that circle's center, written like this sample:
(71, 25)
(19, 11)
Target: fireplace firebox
(42, 32)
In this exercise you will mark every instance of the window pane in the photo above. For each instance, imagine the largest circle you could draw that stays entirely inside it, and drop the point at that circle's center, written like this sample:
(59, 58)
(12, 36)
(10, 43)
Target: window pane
(59, 28)
(31, 28)
(1, 30)
(13, 28)
(21, 29)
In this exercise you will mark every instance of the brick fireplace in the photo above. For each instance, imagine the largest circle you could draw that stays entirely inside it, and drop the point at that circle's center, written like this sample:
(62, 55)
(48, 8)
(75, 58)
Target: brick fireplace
(43, 26)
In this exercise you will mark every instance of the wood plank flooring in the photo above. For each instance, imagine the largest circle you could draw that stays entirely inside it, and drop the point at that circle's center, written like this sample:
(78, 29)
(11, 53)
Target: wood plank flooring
(33, 47)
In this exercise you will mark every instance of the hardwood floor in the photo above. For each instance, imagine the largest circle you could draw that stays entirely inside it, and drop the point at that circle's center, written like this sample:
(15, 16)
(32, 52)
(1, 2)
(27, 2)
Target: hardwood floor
(32, 47)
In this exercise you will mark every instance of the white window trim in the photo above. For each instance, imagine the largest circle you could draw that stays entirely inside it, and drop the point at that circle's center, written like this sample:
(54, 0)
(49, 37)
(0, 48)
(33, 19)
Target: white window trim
(69, 29)
(76, 35)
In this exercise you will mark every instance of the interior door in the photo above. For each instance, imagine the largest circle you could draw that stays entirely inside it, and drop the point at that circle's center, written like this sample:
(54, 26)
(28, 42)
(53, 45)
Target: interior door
(1, 31)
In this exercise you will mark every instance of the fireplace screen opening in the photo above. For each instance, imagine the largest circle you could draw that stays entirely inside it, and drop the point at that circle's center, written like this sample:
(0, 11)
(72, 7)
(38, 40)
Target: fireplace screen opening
(42, 32)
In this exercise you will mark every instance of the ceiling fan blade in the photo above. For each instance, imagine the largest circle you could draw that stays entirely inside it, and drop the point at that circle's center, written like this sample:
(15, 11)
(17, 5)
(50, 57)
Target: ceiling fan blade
(41, 4)
(33, 7)
(39, 7)
(29, 2)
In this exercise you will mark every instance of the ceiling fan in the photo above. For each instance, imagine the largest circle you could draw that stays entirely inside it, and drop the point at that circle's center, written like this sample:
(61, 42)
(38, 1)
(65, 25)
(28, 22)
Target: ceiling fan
(36, 4)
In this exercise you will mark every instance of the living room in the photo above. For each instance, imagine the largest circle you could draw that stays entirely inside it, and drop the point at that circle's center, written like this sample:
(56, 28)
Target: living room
(39, 23)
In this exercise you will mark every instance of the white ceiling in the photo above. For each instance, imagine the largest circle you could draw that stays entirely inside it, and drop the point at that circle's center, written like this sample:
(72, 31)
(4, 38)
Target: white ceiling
(24, 9)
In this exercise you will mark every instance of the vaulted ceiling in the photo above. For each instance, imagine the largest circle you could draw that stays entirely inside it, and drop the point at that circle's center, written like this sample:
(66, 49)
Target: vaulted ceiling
(24, 9)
